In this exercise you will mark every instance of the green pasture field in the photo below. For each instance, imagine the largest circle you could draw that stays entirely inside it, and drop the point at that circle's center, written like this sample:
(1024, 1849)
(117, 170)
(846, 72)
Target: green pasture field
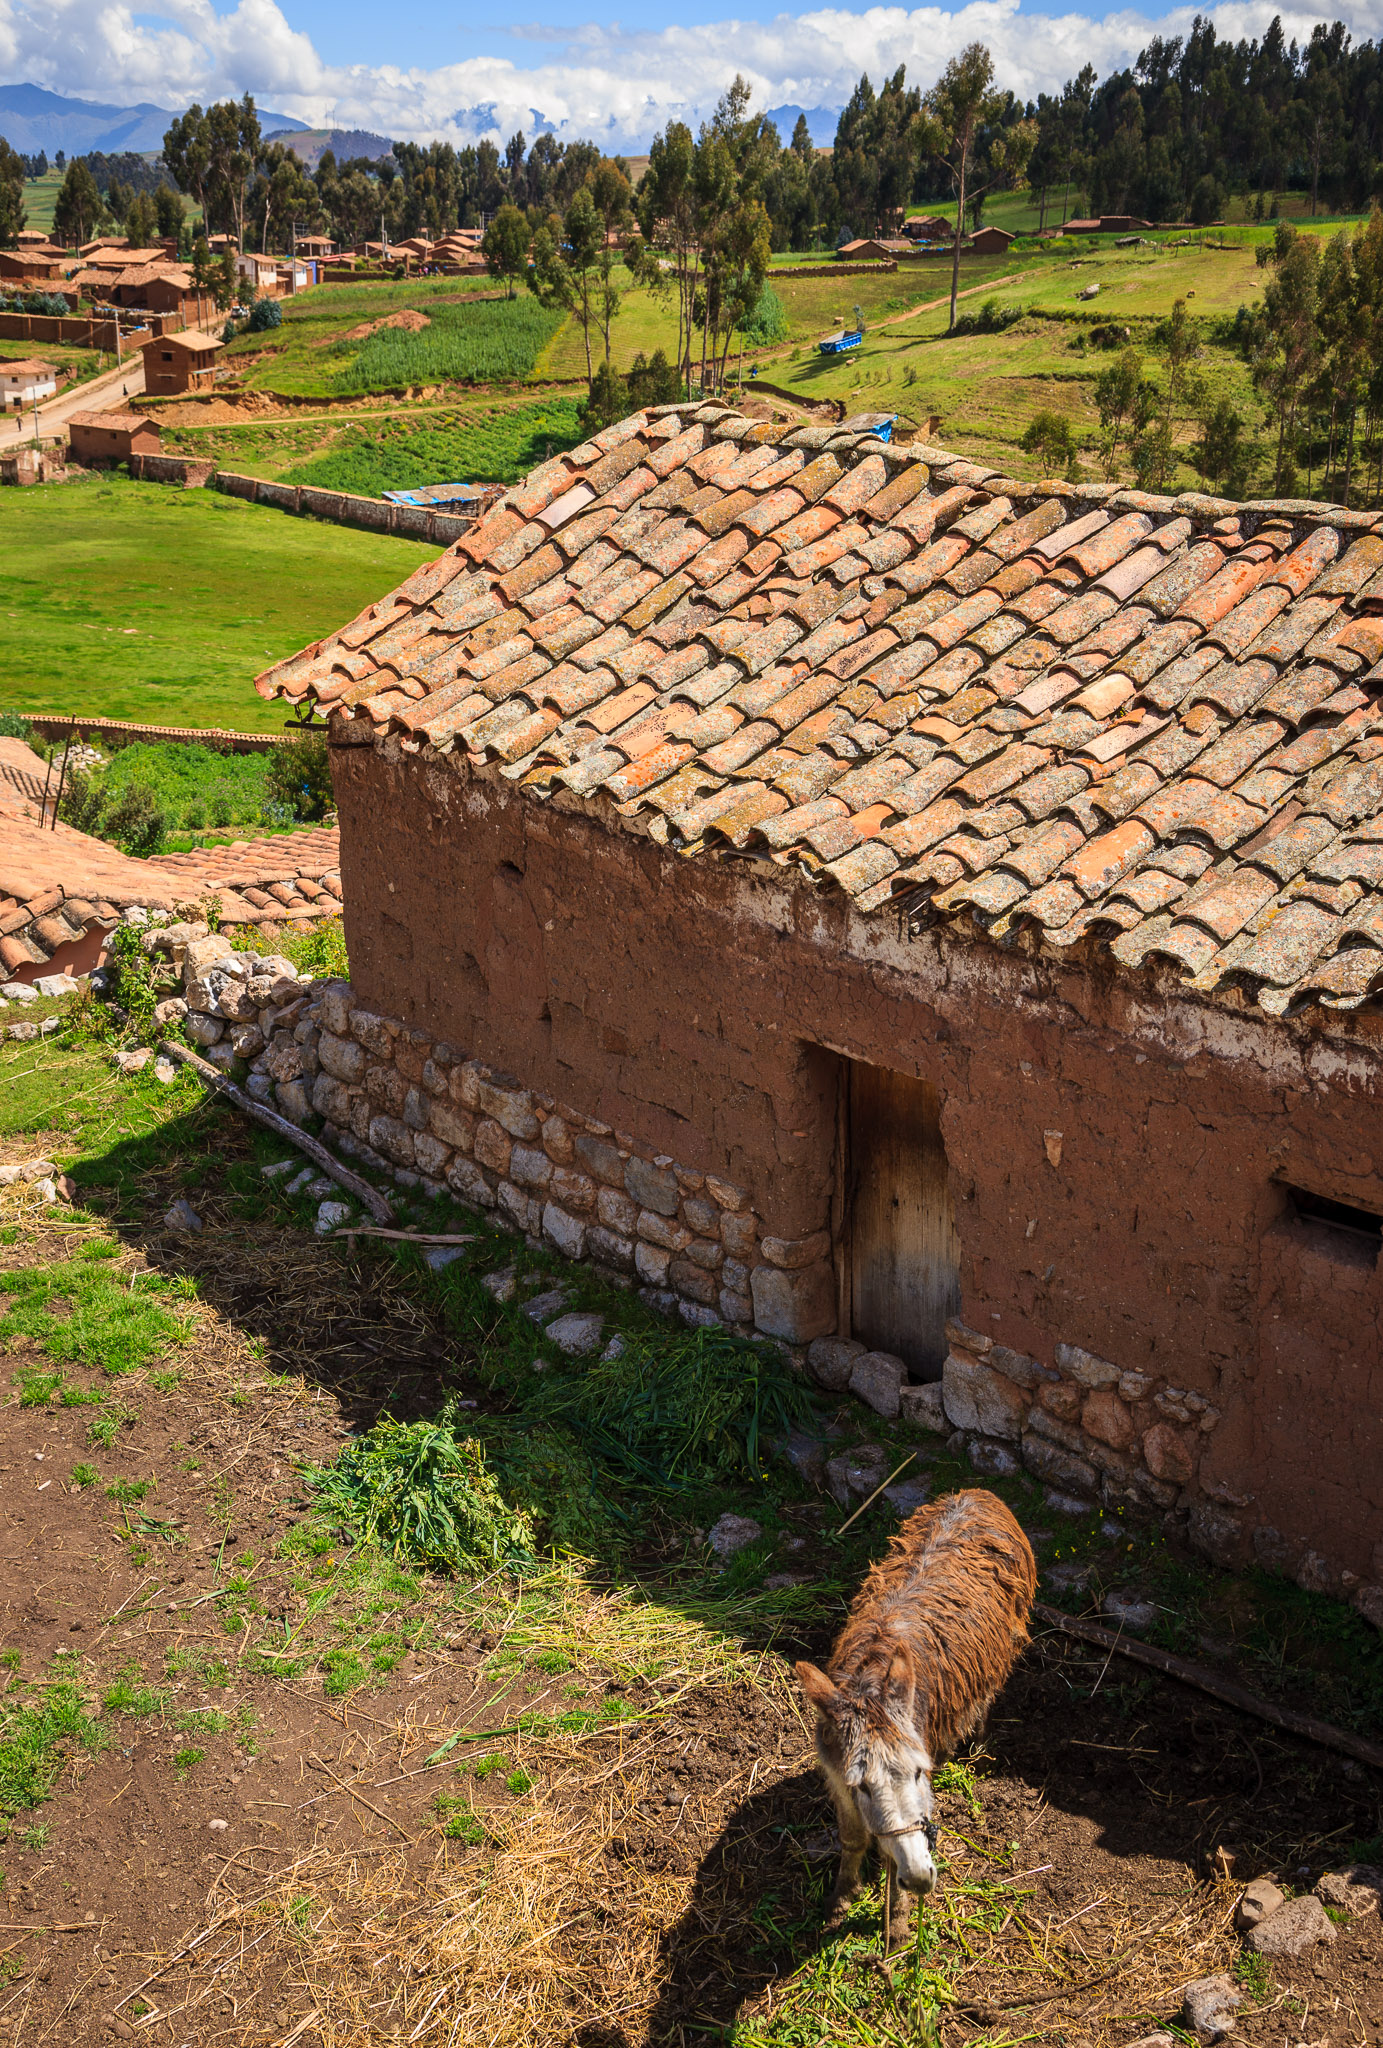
(1019, 212)
(473, 337)
(814, 306)
(397, 450)
(123, 600)
(986, 388)
(40, 200)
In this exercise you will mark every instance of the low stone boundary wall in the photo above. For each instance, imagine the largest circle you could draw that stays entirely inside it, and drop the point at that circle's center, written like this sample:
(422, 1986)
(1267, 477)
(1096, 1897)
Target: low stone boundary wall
(57, 725)
(788, 271)
(415, 522)
(433, 1117)
(172, 469)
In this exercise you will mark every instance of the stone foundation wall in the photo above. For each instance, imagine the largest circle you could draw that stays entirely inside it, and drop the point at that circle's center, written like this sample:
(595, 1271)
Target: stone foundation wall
(436, 1119)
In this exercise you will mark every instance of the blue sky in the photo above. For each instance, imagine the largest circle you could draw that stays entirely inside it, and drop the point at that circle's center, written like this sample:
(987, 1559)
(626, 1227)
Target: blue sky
(458, 68)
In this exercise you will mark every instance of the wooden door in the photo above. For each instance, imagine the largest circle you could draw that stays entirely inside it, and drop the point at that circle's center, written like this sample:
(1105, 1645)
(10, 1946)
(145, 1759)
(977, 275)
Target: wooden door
(904, 1257)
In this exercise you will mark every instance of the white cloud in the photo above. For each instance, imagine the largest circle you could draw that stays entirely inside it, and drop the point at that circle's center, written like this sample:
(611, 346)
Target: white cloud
(616, 87)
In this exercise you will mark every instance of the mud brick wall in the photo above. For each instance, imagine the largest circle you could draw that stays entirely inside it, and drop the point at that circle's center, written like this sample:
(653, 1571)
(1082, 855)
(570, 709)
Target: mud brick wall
(1119, 1151)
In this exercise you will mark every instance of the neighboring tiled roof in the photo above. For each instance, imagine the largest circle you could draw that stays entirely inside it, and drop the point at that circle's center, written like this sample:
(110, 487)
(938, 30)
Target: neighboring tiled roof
(189, 338)
(56, 883)
(115, 422)
(30, 366)
(1093, 715)
(147, 273)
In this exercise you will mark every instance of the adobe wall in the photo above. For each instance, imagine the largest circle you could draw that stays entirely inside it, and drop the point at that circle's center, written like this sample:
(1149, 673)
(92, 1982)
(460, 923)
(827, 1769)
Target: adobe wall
(1143, 1313)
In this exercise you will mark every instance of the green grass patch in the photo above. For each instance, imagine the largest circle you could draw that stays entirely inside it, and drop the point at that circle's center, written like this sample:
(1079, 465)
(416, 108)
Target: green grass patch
(161, 606)
(138, 1700)
(459, 1820)
(37, 1738)
(81, 1313)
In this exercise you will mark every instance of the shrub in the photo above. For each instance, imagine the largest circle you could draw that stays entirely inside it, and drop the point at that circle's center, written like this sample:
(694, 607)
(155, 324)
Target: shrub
(300, 775)
(264, 314)
(991, 318)
(135, 821)
(13, 727)
(1049, 438)
(653, 382)
(608, 400)
(767, 323)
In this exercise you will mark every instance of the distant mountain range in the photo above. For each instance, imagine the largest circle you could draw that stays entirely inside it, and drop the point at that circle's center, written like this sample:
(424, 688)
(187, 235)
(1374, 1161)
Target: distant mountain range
(821, 123)
(309, 143)
(32, 119)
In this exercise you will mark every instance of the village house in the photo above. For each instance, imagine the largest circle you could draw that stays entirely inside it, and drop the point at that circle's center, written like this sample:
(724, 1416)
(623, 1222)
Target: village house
(990, 241)
(261, 273)
(931, 919)
(31, 268)
(313, 245)
(162, 287)
(179, 362)
(100, 438)
(26, 383)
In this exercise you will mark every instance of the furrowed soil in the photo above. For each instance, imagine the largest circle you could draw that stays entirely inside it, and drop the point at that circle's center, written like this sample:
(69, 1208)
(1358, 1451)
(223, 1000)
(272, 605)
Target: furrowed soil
(301, 1794)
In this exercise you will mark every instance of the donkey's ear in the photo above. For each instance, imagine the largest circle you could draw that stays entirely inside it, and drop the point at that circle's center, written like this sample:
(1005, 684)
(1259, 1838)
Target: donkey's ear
(818, 1688)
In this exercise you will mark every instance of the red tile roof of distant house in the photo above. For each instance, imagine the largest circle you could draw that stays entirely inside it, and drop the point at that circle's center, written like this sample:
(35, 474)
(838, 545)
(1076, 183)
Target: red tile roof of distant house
(57, 883)
(31, 366)
(1067, 715)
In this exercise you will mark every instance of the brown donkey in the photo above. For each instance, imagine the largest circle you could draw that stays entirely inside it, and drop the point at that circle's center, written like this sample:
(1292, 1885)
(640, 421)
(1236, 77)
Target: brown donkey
(933, 1633)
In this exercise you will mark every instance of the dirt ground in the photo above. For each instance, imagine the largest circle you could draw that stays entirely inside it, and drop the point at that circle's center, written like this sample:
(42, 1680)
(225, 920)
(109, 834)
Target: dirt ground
(348, 1839)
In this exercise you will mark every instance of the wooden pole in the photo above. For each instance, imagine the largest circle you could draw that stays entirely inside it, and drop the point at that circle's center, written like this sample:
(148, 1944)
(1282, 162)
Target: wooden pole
(377, 1204)
(1217, 1685)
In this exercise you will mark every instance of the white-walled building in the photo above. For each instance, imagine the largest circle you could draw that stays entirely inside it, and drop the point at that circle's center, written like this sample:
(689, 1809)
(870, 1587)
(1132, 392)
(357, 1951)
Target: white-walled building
(24, 382)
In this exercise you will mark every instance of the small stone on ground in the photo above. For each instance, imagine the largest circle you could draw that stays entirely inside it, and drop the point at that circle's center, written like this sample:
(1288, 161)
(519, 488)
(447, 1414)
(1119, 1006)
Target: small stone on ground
(164, 1070)
(544, 1307)
(330, 1216)
(1292, 1929)
(1209, 2006)
(503, 1284)
(181, 1216)
(578, 1335)
(1129, 1610)
(731, 1534)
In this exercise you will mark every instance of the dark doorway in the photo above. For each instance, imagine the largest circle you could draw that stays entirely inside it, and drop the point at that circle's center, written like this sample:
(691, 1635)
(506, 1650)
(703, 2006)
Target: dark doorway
(904, 1259)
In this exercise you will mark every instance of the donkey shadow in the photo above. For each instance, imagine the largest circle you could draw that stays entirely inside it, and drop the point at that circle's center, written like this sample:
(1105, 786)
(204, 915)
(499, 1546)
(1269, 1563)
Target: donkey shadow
(756, 1913)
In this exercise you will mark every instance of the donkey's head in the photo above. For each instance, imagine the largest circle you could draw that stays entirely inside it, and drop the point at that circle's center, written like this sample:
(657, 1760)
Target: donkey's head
(870, 1742)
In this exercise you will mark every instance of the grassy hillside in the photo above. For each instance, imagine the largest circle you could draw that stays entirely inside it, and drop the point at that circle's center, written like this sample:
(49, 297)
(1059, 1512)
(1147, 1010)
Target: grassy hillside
(123, 600)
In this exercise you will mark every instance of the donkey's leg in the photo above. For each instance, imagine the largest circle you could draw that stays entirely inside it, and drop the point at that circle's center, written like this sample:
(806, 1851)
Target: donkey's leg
(854, 1843)
(897, 1909)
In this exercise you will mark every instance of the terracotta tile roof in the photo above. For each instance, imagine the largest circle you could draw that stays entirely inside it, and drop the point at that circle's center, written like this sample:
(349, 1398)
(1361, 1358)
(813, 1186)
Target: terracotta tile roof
(1080, 713)
(29, 366)
(56, 883)
(115, 422)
